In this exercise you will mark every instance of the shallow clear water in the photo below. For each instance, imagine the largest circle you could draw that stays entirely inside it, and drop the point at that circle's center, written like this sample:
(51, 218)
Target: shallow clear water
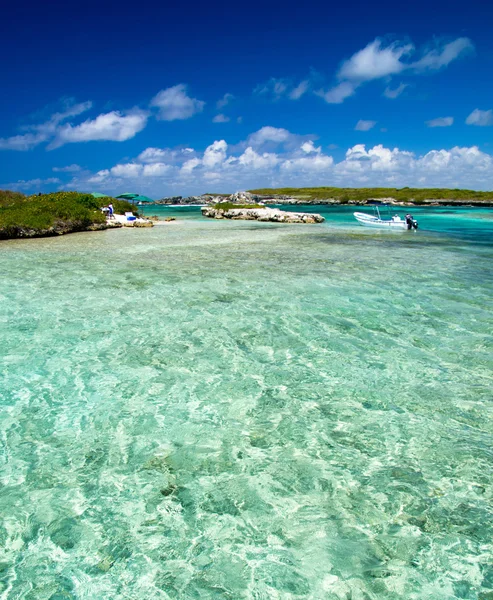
(215, 409)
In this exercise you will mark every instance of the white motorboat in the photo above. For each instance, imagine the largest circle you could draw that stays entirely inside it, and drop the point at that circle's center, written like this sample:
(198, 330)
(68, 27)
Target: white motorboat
(393, 223)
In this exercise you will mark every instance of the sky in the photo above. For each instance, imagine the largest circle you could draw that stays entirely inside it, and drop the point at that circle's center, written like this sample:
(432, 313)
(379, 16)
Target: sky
(168, 99)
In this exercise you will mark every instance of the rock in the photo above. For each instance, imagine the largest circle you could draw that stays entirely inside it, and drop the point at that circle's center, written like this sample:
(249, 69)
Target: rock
(169, 219)
(261, 214)
(243, 198)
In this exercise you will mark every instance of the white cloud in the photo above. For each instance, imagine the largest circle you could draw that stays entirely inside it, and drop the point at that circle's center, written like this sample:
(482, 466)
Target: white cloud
(69, 169)
(339, 93)
(224, 101)
(482, 118)
(221, 119)
(375, 61)
(27, 141)
(457, 162)
(378, 60)
(31, 184)
(316, 162)
(269, 134)
(363, 125)
(443, 55)
(215, 154)
(152, 155)
(252, 159)
(43, 131)
(396, 92)
(377, 159)
(296, 161)
(299, 90)
(156, 170)
(113, 126)
(190, 165)
(99, 177)
(127, 171)
(309, 148)
(174, 104)
(440, 122)
(275, 88)
(165, 155)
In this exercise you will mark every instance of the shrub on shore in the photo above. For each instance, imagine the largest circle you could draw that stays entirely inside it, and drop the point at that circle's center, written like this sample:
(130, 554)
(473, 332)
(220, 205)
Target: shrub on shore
(50, 214)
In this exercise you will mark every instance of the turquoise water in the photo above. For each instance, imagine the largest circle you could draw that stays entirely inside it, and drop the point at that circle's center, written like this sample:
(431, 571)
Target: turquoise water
(217, 409)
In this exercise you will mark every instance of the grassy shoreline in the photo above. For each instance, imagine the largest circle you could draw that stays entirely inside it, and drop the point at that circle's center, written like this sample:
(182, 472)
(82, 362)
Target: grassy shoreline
(52, 214)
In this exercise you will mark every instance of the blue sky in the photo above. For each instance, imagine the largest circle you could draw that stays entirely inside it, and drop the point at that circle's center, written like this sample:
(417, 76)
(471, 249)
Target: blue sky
(190, 98)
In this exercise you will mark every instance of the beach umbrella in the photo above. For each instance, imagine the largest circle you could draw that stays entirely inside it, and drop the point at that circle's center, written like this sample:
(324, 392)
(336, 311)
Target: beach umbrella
(98, 195)
(141, 198)
(127, 196)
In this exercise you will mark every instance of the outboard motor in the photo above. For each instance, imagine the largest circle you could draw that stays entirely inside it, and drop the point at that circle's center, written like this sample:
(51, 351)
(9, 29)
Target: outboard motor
(410, 222)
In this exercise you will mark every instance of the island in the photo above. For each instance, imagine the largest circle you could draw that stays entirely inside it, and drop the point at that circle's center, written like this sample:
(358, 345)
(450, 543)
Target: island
(256, 212)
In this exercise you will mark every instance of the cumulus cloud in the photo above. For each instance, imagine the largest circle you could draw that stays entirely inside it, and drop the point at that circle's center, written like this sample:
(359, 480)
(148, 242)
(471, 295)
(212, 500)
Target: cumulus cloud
(215, 154)
(252, 159)
(156, 170)
(363, 125)
(396, 92)
(304, 164)
(127, 170)
(308, 147)
(440, 122)
(113, 126)
(269, 134)
(224, 101)
(481, 118)
(220, 118)
(290, 164)
(165, 155)
(175, 104)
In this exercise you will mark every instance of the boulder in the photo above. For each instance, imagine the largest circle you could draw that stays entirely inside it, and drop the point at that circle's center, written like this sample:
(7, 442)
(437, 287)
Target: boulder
(273, 215)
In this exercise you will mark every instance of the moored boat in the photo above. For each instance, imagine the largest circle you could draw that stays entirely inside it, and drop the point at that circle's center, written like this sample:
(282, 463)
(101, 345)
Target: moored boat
(393, 223)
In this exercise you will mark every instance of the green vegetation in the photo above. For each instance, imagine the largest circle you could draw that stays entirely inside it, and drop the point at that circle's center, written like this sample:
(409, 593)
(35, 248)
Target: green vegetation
(51, 214)
(405, 194)
(229, 205)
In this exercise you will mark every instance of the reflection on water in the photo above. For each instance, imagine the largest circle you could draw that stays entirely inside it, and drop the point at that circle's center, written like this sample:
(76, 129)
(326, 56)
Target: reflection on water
(213, 410)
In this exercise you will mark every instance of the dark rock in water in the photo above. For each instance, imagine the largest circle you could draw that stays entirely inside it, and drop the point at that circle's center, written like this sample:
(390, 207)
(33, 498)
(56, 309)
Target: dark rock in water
(169, 490)
(260, 214)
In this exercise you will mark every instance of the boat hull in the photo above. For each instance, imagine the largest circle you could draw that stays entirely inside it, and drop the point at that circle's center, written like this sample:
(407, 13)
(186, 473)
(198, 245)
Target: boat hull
(376, 223)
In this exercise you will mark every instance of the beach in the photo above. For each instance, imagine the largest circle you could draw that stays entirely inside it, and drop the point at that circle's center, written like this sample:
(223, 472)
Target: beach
(233, 409)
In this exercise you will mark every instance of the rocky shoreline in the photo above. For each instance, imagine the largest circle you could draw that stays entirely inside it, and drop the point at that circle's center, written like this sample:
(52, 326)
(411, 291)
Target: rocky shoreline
(59, 229)
(273, 215)
(249, 198)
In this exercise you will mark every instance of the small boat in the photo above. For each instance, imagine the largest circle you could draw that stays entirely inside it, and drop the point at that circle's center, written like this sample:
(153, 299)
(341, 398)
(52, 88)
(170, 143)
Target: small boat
(392, 223)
